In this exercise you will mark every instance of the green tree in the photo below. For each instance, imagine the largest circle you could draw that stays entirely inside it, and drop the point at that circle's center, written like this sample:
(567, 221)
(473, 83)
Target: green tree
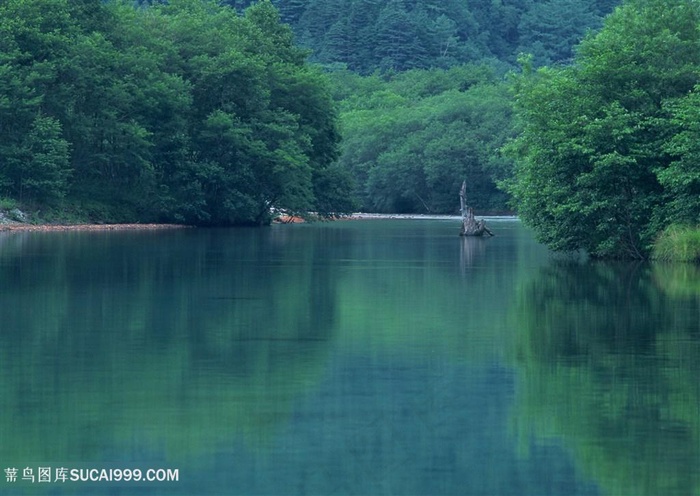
(550, 30)
(411, 141)
(592, 144)
(42, 167)
(370, 35)
(400, 40)
(34, 36)
(182, 111)
(681, 179)
(262, 122)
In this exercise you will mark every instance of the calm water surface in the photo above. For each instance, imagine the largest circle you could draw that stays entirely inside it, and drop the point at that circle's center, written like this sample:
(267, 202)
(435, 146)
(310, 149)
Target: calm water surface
(370, 357)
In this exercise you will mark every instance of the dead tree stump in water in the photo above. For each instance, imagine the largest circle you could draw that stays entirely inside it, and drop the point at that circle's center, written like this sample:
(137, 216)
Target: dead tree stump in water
(470, 226)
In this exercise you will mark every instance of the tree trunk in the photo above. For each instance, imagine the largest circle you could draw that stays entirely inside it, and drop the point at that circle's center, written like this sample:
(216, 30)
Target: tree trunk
(470, 226)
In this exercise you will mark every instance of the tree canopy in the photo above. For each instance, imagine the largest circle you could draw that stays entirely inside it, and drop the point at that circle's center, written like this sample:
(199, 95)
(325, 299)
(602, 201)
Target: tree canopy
(399, 35)
(410, 140)
(417, 125)
(605, 148)
(183, 111)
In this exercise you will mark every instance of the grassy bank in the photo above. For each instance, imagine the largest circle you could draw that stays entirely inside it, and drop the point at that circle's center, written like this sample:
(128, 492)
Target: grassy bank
(678, 244)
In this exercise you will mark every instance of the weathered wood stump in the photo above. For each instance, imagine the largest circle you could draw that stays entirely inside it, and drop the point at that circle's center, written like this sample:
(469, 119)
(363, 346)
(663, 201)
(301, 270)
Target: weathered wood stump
(470, 226)
(473, 227)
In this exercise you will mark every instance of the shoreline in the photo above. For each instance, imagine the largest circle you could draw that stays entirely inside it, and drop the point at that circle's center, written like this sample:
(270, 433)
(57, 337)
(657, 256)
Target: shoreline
(370, 216)
(19, 227)
(292, 219)
(22, 227)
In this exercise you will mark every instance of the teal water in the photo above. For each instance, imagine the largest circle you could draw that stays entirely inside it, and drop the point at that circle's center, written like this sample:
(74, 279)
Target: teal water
(365, 357)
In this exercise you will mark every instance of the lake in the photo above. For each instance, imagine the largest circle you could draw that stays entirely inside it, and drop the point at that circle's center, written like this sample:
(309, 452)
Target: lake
(366, 357)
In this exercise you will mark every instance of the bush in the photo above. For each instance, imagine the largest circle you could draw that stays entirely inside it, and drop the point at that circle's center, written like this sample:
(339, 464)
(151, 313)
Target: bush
(7, 204)
(678, 243)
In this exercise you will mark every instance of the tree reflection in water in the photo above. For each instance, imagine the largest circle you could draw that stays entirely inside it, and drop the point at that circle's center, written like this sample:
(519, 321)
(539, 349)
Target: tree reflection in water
(609, 356)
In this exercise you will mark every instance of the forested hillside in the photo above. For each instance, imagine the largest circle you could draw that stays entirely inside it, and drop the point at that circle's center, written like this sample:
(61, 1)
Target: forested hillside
(369, 35)
(185, 112)
(423, 91)
(409, 140)
(208, 112)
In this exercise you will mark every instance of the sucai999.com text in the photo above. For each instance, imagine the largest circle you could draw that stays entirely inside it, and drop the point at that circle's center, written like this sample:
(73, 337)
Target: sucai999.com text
(59, 475)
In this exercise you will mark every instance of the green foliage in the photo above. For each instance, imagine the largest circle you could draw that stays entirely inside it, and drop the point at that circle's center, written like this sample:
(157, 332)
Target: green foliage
(44, 170)
(595, 169)
(7, 203)
(677, 243)
(181, 111)
(188, 111)
(681, 178)
(550, 30)
(398, 35)
(411, 136)
(411, 141)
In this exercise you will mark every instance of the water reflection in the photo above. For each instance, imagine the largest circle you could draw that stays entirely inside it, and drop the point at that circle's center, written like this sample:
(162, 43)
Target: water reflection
(351, 358)
(471, 249)
(125, 344)
(346, 358)
(609, 356)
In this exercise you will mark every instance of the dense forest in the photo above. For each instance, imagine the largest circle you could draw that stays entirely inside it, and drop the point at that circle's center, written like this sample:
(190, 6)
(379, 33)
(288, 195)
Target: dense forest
(397, 35)
(423, 91)
(185, 112)
(579, 115)
(211, 113)
(410, 140)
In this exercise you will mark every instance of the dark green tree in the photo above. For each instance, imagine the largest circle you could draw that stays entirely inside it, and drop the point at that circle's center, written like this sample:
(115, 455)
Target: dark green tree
(291, 10)
(681, 179)
(411, 141)
(179, 111)
(594, 136)
(34, 36)
(400, 40)
(550, 30)
(39, 168)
